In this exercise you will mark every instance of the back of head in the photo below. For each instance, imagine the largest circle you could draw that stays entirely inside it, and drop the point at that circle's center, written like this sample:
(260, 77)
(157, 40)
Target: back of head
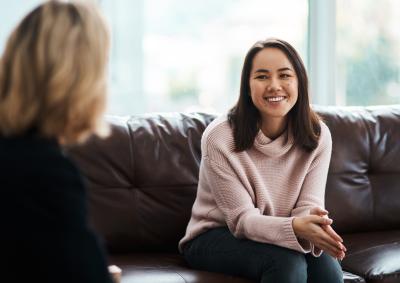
(53, 72)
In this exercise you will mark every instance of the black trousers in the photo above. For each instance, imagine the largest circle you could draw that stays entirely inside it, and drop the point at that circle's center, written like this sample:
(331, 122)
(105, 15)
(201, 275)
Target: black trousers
(217, 250)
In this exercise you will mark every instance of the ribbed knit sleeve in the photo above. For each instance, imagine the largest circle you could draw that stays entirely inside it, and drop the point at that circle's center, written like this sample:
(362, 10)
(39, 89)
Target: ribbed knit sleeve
(312, 192)
(243, 219)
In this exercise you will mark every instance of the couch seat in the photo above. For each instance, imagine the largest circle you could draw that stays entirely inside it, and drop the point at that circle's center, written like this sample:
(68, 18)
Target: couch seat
(171, 268)
(374, 256)
(164, 268)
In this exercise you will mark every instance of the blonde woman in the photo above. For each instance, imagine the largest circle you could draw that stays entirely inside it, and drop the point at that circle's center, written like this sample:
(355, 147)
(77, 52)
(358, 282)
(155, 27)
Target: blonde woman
(52, 92)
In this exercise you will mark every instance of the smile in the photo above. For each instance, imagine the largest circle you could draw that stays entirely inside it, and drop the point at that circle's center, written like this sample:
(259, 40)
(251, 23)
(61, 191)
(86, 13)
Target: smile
(275, 98)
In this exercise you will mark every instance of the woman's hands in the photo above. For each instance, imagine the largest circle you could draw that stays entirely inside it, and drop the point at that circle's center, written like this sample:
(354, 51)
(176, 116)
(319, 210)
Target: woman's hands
(316, 229)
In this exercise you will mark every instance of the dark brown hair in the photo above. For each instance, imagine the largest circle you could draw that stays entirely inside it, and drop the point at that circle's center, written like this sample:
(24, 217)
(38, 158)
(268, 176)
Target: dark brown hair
(244, 117)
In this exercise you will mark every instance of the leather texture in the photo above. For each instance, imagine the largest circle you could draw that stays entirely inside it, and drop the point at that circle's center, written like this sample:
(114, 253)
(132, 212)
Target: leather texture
(165, 268)
(142, 183)
(363, 185)
(145, 267)
(375, 255)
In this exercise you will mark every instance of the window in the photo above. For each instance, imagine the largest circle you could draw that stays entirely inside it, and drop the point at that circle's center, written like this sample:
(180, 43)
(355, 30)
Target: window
(177, 55)
(368, 52)
(11, 12)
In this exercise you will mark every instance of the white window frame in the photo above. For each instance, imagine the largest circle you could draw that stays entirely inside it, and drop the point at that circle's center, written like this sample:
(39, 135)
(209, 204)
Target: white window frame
(322, 51)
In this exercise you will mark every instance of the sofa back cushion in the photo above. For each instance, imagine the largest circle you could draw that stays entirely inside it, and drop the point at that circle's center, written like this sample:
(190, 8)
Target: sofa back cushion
(142, 180)
(363, 186)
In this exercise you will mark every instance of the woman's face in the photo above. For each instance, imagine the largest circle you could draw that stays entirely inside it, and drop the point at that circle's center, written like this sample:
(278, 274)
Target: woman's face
(273, 84)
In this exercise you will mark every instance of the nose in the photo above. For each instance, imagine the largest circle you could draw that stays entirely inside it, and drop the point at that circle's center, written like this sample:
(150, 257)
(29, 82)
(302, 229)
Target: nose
(274, 85)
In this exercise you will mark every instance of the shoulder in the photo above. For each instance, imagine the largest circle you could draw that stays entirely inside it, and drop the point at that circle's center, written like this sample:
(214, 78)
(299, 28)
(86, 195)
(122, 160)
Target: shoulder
(58, 166)
(324, 146)
(325, 137)
(62, 171)
(217, 125)
(61, 184)
(40, 161)
(217, 136)
(38, 172)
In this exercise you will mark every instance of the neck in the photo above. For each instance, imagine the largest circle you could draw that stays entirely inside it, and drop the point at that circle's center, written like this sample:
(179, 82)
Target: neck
(273, 127)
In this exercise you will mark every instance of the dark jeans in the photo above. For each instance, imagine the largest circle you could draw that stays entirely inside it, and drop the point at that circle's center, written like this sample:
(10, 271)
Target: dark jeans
(217, 250)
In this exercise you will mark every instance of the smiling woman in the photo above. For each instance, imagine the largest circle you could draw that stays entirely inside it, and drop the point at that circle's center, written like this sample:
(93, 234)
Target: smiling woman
(259, 210)
(273, 89)
(273, 68)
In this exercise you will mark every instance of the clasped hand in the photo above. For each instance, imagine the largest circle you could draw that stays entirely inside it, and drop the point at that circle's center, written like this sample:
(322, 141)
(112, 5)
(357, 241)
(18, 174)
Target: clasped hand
(317, 229)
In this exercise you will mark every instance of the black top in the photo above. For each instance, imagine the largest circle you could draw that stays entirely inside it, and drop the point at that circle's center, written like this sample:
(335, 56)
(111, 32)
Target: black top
(44, 234)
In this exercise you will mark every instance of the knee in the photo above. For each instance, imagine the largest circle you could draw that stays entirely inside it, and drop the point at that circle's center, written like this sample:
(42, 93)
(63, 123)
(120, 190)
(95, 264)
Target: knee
(333, 273)
(291, 268)
(325, 269)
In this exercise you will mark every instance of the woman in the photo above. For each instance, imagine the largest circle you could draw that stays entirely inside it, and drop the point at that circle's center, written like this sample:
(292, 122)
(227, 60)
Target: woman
(52, 93)
(259, 206)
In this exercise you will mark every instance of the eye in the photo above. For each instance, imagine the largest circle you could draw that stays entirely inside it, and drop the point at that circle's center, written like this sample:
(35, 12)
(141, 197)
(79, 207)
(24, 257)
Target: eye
(262, 77)
(285, 76)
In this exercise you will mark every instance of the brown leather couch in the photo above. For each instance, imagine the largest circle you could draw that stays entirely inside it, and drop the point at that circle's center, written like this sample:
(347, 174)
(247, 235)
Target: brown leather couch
(142, 183)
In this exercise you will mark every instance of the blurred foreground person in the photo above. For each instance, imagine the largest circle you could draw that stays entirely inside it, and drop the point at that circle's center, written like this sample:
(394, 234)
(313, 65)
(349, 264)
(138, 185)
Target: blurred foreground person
(52, 93)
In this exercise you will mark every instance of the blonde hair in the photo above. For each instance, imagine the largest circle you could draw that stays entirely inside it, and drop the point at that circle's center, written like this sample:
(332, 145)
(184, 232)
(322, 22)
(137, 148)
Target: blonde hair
(53, 73)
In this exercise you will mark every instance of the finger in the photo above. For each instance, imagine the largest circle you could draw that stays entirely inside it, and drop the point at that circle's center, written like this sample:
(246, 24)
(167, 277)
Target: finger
(329, 246)
(325, 237)
(340, 256)
(328, 229)
(320, 220)
(321, 235)
(318, 211)
(325, 249)
(322, 238)
(333, 250)
(330, 250)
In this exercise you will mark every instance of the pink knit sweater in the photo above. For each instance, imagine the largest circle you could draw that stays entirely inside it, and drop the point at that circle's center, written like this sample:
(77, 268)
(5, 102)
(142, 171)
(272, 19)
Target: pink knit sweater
(258, 192)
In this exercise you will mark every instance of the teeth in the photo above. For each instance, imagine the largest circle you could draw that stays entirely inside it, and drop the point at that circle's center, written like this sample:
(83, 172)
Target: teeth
(275, 99)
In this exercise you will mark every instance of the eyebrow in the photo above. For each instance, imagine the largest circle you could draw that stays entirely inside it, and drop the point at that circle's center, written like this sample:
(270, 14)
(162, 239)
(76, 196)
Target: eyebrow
(268, 71)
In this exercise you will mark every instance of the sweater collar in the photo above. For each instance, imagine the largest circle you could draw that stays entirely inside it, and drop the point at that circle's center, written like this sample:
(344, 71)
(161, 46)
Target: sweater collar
(274, 147)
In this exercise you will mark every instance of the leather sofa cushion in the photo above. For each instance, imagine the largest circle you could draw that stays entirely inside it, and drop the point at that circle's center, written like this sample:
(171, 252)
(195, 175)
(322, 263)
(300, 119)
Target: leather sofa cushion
(374, 256)
(165, 268)
(362, 190)
(171, 268)
(142, 180)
